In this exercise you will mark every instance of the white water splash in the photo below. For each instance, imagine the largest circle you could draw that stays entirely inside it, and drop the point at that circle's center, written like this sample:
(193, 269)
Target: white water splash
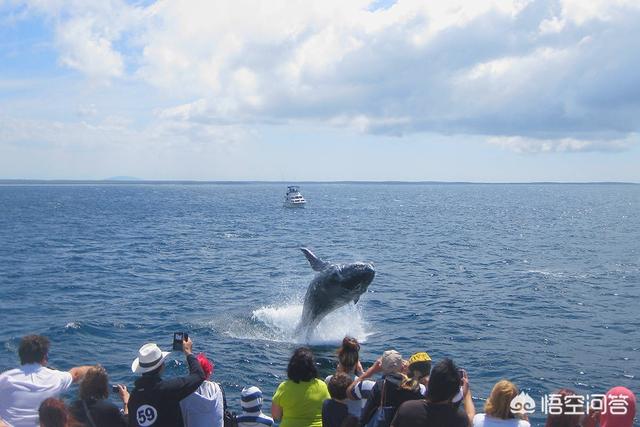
(279, 323)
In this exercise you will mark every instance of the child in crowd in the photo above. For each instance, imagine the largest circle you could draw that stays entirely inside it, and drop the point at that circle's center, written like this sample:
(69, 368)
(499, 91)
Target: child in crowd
(349, 363)
(204, 407)
(335, 412)
(251, 402)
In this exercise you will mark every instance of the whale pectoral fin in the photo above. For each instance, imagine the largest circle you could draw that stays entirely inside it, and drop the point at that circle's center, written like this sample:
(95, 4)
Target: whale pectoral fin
(356, 299)
(316, 263)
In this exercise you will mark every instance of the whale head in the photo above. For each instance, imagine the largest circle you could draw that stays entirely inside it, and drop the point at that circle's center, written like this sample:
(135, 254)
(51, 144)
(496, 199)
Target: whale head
(354, 277)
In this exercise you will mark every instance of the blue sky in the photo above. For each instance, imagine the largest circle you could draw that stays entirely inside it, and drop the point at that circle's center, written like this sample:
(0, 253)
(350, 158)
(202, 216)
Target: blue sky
(489, 91)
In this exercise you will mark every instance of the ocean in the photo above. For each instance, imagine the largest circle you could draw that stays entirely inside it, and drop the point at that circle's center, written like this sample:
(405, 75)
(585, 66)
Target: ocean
(536, 283)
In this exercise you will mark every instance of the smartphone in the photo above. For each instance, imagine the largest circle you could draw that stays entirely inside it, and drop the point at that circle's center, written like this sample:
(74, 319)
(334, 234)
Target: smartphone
(178, 339)
(462, 373)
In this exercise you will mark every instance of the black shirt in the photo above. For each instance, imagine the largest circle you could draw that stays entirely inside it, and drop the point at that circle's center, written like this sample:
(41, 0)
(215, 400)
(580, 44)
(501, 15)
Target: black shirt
(420, 413)
(333, 413)
(103, 413)
(394, 396)
(156, 402)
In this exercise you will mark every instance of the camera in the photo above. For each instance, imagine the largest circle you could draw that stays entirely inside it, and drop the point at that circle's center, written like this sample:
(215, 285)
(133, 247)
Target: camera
(178, 340)
(115, 388)
(462, 373)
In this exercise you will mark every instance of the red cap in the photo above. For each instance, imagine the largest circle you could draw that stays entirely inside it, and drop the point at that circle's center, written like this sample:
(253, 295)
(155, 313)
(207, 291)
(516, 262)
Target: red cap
(614, 399)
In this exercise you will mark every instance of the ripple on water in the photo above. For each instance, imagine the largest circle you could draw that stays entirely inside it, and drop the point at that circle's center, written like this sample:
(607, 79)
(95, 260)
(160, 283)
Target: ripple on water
(531, 282)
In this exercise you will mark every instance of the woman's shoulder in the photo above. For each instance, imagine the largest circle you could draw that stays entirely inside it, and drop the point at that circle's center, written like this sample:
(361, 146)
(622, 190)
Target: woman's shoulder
(105, 405)
(313, 383)
(478, 420)
(285, 385)
(209, 388)
(319, 384)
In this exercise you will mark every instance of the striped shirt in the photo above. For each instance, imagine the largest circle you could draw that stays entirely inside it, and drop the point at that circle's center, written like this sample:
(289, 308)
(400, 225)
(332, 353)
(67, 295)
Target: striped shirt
(254, 420)
(362, 390)
(252, 416)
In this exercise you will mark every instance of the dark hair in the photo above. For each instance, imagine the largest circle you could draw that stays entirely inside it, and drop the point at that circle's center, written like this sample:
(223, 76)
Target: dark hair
(302, 366)
(444, 381)
(348, 354)
(156, 371)
(33, 349)
(350, 421)
(53, 413)
(338, 385)
(95, 384)
(565, 419)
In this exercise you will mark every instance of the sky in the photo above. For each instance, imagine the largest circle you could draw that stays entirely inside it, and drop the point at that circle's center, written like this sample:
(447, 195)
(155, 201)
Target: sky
(406, 90)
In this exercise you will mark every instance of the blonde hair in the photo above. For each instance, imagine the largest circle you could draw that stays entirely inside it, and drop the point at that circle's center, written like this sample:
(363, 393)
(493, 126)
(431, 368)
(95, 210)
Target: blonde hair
(498, 405)
(416, 372)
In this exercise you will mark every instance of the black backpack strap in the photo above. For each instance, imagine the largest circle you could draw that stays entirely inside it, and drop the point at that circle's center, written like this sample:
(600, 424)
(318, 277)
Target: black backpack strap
(224, 398)
(88, 413)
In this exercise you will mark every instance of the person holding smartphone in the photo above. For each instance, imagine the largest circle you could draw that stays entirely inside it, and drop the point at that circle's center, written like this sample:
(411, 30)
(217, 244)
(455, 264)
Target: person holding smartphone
(155, 401)
(439, 408)
(93, 407)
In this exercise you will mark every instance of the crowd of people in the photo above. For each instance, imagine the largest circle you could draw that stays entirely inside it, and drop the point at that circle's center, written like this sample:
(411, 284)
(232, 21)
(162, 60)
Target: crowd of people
(392, 392)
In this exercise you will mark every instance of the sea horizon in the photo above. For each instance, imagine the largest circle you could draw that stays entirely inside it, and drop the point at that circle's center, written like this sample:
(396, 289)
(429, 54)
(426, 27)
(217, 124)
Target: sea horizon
(20, 181)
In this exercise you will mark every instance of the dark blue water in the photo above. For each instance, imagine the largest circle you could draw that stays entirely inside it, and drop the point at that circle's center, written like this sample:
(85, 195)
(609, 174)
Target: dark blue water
(539, 284)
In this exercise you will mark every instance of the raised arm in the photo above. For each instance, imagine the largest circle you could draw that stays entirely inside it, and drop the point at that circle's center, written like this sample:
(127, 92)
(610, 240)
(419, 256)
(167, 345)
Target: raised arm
(373, 369)
(78, 373)
(469, 408)
(184, 386)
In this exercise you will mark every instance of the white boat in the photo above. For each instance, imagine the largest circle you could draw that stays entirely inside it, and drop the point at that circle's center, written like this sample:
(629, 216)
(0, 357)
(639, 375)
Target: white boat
(293, 198)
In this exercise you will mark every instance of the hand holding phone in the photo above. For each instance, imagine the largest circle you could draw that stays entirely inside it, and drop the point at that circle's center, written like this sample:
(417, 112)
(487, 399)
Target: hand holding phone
(178, 340)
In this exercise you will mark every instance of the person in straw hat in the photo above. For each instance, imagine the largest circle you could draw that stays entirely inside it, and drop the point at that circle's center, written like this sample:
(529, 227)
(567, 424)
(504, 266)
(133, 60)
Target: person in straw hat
(154, 401)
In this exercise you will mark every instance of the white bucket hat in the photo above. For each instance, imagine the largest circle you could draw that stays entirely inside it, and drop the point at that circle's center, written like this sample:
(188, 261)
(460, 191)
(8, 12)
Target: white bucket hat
(150, 357)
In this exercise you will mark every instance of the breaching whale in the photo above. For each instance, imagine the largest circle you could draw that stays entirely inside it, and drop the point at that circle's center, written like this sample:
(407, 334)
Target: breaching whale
(334, 286)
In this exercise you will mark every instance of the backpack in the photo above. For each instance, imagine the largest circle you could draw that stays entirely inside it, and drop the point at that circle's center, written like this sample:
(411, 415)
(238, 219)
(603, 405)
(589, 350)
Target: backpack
(383, 415)
(230, 417)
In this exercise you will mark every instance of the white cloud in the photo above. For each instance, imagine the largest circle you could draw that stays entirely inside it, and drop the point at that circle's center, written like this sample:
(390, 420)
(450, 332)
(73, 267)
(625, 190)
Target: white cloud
(555, 70)
(87, 51)
(112, 131)
(561, 145)
(163, 149)
(86, 33)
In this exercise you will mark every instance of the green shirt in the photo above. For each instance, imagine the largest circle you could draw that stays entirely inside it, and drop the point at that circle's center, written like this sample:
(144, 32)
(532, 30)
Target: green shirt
(301, 402)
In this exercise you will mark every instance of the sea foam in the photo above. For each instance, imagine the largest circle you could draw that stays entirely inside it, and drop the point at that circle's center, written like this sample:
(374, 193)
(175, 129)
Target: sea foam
(278, 323)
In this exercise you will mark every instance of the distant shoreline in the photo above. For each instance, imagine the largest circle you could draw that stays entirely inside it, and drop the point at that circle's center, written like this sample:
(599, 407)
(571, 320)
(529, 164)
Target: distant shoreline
(193, 182)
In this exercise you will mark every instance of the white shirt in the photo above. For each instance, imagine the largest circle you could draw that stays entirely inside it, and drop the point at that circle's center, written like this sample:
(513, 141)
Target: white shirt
(254, 420)
(355, 406)
(24, 388)
(203, 407)
(483, 420)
